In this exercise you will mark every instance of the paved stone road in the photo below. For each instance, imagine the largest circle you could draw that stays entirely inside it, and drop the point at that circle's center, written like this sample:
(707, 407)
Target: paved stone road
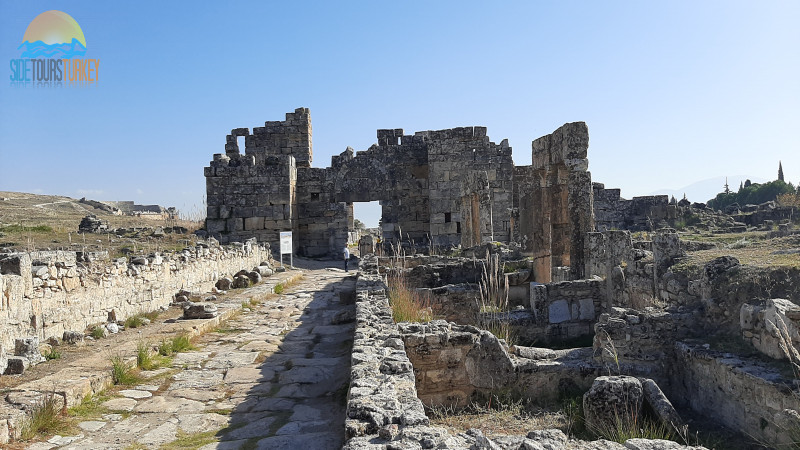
(274, 377)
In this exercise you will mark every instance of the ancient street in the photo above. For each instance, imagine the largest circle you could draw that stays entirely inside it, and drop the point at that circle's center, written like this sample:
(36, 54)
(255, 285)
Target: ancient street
(274, 376)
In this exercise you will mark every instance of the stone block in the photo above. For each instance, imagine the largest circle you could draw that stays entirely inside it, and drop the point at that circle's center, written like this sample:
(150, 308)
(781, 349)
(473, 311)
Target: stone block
(16, 365)
(254, 223)
(558, 311)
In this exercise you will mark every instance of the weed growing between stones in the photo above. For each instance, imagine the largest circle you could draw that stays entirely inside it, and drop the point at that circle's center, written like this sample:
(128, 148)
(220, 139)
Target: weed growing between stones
(123, 373)
(195, 440)
(791, 420)
(46, 416)
(631, 425)
(90, 407)
(408, 304)
(494, 310)
(98, 332)
(148, 360)
(135, 321)
(278, 289)
(608, 353)
(177, 344)
(52, 354)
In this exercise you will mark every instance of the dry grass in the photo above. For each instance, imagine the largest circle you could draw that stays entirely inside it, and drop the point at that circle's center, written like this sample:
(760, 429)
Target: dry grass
(493, 315)
(31, 222)
(45, 417)
(408, 304)
(751, 248)
(497, 418)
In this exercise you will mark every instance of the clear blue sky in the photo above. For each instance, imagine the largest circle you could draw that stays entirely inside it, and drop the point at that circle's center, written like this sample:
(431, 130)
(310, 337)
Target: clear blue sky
(672, 92)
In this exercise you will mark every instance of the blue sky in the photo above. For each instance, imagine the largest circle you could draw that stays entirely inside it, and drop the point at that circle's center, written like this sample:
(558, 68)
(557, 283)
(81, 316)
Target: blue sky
(672, 92)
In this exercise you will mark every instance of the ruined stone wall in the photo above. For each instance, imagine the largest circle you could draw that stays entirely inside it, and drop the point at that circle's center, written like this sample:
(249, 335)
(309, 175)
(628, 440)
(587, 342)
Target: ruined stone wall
(249, 197)
(437, 189)
(742, 395)
(636, 274)
(46, 293)
(564, 310)
(641, 343)
(556, 213)
(613, 212)
(470, 186)
(254, 194)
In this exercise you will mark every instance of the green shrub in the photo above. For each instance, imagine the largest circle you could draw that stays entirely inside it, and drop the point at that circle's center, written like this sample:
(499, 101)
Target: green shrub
(98, 331)
(24, 229)
(122, 373)
(278, 289)
(134, 321)
(52, 354)
(177, 344)
(45, 417)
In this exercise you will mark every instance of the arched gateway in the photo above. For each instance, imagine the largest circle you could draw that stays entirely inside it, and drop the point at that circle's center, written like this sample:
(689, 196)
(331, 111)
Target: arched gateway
(442, 188)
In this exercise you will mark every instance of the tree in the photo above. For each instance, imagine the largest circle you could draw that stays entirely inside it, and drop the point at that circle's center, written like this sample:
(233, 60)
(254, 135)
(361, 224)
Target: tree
(752, 193)
(780, 171)
(359, 225)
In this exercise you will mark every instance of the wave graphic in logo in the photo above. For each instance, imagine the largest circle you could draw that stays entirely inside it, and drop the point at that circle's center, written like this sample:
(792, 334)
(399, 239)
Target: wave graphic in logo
(39, 49)
(53, 34)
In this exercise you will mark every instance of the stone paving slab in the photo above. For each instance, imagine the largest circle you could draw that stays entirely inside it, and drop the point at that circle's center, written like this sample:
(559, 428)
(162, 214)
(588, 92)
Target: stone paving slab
(274, 378)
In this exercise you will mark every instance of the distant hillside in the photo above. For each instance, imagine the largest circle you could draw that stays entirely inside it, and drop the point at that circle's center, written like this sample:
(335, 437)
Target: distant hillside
(705, 190)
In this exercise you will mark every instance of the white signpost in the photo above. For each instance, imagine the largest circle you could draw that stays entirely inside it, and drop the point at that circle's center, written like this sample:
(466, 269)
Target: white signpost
(286, 246)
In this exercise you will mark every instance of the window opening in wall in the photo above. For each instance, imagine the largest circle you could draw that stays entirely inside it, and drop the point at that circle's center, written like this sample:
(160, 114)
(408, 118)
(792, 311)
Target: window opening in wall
(240, 143)
(447, 217)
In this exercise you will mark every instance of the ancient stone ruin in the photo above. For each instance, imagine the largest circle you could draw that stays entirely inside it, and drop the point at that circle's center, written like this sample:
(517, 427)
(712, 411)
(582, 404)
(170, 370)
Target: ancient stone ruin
(437, 188)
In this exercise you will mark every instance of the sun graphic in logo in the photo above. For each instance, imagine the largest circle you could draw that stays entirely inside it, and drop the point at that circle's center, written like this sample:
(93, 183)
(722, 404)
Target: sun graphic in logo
(53, 34)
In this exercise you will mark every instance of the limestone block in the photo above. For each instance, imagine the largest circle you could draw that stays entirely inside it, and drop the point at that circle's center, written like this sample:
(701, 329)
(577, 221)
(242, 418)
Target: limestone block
(612, 397)
(28, 348)
(215, 225)
(234, 224)
(587, 309)
(199, 311)
(558, 311)
(254, 223)
(16, 365)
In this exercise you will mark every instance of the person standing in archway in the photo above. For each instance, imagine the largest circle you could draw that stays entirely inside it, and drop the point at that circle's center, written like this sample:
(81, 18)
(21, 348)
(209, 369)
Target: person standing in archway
(346, 254)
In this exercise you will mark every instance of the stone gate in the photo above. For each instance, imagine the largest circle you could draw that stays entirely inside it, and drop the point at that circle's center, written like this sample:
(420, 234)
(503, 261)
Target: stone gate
(436, 188)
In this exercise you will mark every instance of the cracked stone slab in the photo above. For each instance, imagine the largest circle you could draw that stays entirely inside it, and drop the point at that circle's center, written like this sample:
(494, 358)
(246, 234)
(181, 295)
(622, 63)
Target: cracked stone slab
(199, 423)
(257, 428)
(120, 404)
(160, 435)
(248, 375)
(168, 405)
(309, 440)
(135, 394)
(91, 425)
(197, 379)
(231, 359)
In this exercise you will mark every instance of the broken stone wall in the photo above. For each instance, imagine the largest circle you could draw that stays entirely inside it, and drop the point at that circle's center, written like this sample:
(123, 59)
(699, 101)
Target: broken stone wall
(742, 395)
(46, 293)
(613, 212)
(471, 179)
(556, 213)
(249, 197)
(253, 194)
(564, 311)
(437, 189)
(769, 325)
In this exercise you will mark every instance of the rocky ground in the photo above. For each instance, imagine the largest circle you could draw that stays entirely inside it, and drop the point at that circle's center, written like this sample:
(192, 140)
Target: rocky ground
(273, 376)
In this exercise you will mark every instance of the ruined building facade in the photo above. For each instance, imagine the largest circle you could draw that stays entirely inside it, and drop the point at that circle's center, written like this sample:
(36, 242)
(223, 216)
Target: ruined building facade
(438, 188)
